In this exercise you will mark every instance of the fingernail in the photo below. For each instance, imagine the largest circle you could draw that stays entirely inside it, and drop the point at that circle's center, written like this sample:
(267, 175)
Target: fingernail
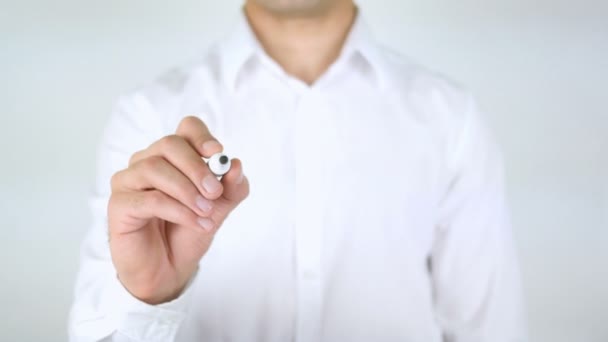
(241, 178)
(206, 223)
(203, 203)
(211, 184)
(211, 145)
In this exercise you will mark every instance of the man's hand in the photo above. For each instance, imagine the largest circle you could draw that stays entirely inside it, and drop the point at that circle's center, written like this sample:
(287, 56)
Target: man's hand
(165, 209)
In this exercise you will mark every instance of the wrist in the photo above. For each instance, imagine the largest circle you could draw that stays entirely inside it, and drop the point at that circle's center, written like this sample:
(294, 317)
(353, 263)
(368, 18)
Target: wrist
(151, 293)
(141, 321)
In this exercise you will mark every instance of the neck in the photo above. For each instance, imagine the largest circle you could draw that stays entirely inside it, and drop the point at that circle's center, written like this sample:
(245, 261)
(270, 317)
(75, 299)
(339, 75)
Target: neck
(303, 45)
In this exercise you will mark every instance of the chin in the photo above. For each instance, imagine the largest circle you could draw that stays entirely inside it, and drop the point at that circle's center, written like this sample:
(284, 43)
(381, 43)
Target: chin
(295, 7)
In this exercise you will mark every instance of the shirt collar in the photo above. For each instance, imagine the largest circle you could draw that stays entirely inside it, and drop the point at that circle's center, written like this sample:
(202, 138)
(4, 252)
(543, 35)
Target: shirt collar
(241, 45)
(360, 41)
(236, 49)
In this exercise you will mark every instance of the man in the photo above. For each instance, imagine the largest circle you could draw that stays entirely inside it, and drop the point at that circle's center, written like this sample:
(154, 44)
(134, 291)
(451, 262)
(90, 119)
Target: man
(372, 209)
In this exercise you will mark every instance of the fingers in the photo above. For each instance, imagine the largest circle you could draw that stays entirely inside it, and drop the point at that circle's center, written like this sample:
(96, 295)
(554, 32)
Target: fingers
(156, 173)
(177, 151)
(236, 189)
(170, 181)
(196, 133)
(236, 186)
(136, 208)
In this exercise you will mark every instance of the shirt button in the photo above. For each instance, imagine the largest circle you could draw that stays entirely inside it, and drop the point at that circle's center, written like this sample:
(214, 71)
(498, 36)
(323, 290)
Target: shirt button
(310, 275)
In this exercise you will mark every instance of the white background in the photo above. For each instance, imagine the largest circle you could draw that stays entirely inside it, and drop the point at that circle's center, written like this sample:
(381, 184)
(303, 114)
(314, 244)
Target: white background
(539, 69)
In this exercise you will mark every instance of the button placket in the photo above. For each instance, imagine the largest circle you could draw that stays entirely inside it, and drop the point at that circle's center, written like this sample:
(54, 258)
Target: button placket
(308, 224)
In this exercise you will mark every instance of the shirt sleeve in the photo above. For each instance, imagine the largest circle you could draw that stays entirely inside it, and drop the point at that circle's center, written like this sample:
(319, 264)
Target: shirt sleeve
(103, 310)
(474, 267)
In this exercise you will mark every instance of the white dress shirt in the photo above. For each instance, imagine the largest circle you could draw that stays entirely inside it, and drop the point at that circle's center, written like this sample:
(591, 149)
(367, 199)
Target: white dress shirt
(376, 210)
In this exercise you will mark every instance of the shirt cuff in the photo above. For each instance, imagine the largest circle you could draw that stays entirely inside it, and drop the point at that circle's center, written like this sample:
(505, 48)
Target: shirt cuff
(140, 321)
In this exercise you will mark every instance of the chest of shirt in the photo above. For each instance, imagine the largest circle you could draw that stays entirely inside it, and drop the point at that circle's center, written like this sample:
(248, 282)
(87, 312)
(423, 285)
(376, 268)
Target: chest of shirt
(328, 159)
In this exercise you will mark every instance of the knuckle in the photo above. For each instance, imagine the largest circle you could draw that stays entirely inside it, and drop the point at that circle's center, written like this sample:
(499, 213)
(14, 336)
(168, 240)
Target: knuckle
(152, 164)
(169, 142)
(190, 120)
(115, 180)
(134, 201)
(135, 157)
(154, 199)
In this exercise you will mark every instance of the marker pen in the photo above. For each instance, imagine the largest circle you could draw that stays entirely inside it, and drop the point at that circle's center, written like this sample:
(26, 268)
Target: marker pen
(219, 164)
